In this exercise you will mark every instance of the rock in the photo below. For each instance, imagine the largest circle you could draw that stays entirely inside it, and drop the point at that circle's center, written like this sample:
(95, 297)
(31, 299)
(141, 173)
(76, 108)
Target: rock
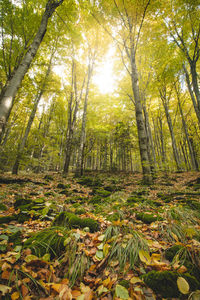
(71, 220)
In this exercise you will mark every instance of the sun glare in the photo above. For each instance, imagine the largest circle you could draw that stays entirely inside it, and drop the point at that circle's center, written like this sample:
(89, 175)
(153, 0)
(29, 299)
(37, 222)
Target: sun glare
(104, 77)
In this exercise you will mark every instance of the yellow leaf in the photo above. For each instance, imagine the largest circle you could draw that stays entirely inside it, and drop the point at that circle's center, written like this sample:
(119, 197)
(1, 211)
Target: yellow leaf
(56, 287)
(15, 296)
(155, 256)
(106, 281)
(4, 289)
(175, 236)
(135, 280)
(106, 249)
(145, 257)
(183, 285)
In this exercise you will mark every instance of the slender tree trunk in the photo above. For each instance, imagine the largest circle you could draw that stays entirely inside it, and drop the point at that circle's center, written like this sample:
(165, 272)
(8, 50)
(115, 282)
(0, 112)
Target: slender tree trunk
(30, 121)
(171, 129)
(195, 104)
(79, 166)
(192, 156)
(9, 91)
(150, 146)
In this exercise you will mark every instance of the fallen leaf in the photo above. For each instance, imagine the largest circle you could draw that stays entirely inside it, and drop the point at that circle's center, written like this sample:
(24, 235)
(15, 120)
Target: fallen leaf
(183, 285)
(135, 280)
(144, 257)
(15, 296)
(4, 289)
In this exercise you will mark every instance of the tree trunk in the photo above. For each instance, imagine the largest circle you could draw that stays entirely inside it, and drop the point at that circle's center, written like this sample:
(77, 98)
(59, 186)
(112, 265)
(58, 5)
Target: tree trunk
(195, 104)
(10, 89)
(79, 166)
(140, 122)
(192, 156)
(30, 121)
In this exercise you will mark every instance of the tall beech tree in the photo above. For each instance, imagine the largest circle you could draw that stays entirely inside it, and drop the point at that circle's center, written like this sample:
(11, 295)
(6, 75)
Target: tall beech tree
(13, 83)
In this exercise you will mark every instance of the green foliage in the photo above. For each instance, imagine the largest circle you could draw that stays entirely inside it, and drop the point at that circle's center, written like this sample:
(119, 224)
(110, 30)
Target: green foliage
(71, 220)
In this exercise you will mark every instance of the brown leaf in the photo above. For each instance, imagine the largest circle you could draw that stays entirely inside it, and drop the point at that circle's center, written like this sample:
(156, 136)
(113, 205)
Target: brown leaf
(76, 293)
(24, 290)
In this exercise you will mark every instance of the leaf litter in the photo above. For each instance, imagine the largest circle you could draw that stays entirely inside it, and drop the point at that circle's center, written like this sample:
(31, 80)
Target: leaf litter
(138, 225)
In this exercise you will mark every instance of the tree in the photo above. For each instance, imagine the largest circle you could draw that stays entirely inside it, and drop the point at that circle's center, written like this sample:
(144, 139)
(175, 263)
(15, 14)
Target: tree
(13, 83)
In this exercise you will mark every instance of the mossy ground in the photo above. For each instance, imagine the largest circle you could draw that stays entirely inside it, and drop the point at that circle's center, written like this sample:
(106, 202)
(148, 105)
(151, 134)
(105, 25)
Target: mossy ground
(94, 229)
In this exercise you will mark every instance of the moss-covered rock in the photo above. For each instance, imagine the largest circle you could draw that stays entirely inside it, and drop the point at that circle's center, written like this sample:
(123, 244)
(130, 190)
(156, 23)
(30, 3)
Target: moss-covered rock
(50, 241)
(172, 251)
(148, 218)
(90, 181)
(134, 199)
(73, 221)
(165, 197)
(125, 283)
(48, 177)
(80, 211)
(7, 219)
(96, 199)
(3, 207)
(165, 283)
(102, 193)
(63, 186)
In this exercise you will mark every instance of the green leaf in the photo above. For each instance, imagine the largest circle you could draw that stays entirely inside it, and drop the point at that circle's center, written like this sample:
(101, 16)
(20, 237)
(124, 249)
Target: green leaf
(30, 258)
(102, 289)
(46, 257)
(101, 237)
(99, 255)
(3, 237)
(121, 292)
(67, 241)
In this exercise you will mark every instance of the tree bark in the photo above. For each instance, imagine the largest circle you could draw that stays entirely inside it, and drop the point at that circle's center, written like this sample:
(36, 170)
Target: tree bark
(30, 121)
(140, 122)
(194, 164)
(10, 89)
(79, 166)
(171, 129)
(195, 104)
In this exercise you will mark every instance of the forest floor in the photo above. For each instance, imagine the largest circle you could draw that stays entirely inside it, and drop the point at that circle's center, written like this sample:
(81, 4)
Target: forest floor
(101, 236)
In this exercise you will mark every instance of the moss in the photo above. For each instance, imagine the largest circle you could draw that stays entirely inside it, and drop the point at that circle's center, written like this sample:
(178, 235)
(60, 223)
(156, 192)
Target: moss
(134, 199)
(50, 241)
(20, 202)
(165, 197)
(163, 283)
(3, 207)
(66, 192)
(80, 211)
(114, 217)
(172, 251)
(61, 186)
(89, 181)
(148, 218)
(73, 221)
(111, 188)
(7, 219)
(102, 193)
(96, 199)
(48, 177)
(125, 283)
